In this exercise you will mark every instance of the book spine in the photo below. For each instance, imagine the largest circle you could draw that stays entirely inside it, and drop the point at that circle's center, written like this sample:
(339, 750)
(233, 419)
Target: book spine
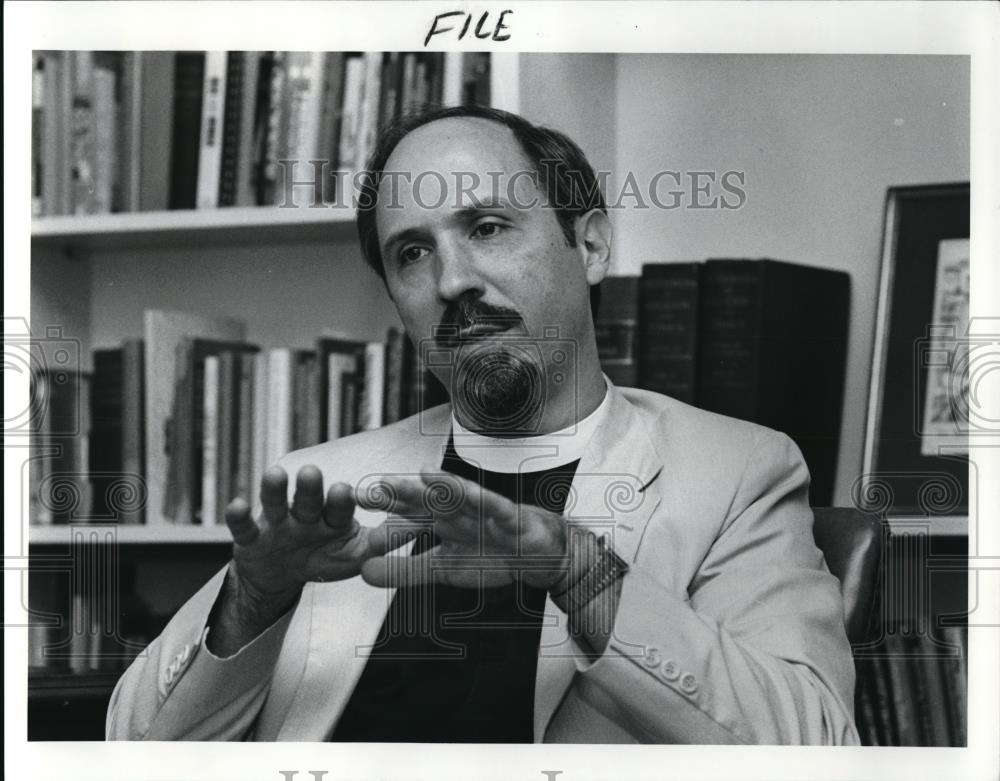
(129, 131)
(340, 367)
(370, 103)
(669, 307)
(305, 88)
(106, 453)
(393, 409)
(210, 441)
(953, 672)
(350, 125)
(37, 135)
(616, 329)
(902, 687)
(134, 423)
(212, 115)
(279, 401)
(40, 465)
(373, 393)
(275, 137)
(246, 194)
(232, 127)
(242, 480)
(227, 431)
(189, 84)
(105, 117)
(261, 382)
(730, 338)
(451, 89)
(154, 152)
(330, 117)
(83, 153)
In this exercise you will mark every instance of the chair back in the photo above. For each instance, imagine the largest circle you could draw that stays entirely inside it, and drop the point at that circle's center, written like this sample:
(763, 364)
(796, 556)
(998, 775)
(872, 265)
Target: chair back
(851, 542)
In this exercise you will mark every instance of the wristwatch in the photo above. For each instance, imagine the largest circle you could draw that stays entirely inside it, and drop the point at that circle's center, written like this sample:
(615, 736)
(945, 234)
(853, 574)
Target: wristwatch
(606, 568)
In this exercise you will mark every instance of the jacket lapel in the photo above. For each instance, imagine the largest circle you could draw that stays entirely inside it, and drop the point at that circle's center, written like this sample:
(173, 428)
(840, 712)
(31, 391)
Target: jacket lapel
(614, 494)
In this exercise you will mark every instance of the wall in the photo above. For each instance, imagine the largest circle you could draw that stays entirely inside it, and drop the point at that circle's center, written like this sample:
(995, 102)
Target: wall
(820, 138)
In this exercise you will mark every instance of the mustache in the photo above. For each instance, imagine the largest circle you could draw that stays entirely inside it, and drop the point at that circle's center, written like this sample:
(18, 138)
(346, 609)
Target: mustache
(467, 313)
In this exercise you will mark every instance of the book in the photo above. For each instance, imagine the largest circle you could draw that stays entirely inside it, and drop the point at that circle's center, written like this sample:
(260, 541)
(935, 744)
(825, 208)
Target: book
(155, 147)
(107, 463)
(82, 135)
(338, 358)
(395, 375)
(37, 134)
(669, 325)
(242, 480)
(273, 131)
(350, 124)
(330, 121)
(773, 350)
(106, 186)
(371, 89)
(59, 470)
(247, 145)
(279, 404)
(133, 428)
(212, 115)
(210, 441)
(189, 85)
(305, 92)
(616, 330)
(305, 400)
(372, 399)
(128, 130)
(259, 455)
(232, 127)
(164, 332)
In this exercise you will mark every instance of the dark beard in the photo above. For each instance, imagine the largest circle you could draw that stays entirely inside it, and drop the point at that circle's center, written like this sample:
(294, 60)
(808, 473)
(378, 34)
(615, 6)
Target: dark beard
(499, 390)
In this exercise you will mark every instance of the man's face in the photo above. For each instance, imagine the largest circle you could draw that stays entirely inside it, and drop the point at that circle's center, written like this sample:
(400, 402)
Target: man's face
(478, 252)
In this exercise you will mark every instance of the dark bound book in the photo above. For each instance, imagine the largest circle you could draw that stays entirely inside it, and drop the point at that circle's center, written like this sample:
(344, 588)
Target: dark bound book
(232, 127)
(616, 329)
(331, 389)
(773, 350)
(106, 414)
(669, 302)
(196, 352)
(189, 76)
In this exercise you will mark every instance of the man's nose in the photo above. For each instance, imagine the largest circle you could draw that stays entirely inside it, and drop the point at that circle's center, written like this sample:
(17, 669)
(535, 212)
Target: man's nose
(457, 274)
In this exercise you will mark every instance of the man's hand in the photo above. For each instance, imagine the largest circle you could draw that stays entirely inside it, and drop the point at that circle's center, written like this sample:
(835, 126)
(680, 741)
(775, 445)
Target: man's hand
(485, 539)
(314, 539)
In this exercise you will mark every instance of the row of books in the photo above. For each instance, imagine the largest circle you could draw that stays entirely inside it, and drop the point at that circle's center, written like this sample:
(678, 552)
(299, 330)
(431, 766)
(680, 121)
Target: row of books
(914, 692)
(142, 131)
(171, 427)
(762, 340)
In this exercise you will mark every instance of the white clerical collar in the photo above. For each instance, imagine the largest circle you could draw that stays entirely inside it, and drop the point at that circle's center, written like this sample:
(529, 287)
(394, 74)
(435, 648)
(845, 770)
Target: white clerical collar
(529, 454)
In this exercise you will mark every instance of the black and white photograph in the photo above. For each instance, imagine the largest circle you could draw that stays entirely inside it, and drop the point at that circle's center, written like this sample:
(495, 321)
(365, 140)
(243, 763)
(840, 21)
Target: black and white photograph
(392, 386)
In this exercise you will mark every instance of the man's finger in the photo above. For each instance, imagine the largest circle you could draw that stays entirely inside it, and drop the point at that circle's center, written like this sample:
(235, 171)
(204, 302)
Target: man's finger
(396, 495)
(240, 523)
(451, 496)
(274, 494)
(395, 533)
(398, 571)
(307, 504)
(338, 511)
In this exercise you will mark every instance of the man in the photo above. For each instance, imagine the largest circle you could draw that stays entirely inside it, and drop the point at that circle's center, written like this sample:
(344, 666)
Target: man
(548, 558)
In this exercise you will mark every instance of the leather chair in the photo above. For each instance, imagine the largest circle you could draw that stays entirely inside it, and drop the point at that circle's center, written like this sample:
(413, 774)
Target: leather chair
(851, 542)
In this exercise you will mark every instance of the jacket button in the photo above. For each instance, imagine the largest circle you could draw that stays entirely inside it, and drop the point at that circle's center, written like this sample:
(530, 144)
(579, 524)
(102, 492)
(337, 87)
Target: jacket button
(652, 658)
(670, 671)
(689, 684)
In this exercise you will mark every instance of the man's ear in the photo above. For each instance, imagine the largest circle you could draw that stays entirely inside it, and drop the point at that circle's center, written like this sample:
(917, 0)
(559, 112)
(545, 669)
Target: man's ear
(593, 240)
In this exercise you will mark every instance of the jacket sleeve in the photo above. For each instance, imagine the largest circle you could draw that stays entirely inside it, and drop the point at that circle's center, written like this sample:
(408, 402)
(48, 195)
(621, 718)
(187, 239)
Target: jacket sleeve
(178, 690)
(756, 651)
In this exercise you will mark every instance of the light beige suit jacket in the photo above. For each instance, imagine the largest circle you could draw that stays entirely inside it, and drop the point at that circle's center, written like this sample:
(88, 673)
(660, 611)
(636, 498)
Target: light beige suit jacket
(729, 628)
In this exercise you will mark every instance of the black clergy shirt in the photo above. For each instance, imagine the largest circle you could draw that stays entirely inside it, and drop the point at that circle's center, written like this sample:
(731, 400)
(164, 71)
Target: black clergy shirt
(457, 665)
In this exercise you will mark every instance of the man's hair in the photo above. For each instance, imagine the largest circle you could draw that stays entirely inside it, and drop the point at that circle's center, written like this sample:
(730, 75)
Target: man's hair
(564, 175)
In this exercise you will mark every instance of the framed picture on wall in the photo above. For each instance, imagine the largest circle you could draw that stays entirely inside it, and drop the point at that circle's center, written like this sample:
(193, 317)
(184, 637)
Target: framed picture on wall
(916, 441)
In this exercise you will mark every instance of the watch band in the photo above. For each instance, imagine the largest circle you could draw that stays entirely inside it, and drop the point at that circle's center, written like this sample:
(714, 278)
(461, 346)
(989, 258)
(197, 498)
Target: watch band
(606, 568)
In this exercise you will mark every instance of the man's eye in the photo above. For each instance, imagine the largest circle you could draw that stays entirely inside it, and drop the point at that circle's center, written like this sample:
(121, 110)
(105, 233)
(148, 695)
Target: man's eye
(486, 230)
(411, 254)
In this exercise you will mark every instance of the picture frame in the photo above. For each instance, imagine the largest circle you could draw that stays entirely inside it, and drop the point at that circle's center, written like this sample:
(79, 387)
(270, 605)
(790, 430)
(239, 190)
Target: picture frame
(916, 439)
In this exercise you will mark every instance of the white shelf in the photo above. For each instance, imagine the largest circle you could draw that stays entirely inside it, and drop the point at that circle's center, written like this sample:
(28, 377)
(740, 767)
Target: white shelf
(130, 535)
(194, 227)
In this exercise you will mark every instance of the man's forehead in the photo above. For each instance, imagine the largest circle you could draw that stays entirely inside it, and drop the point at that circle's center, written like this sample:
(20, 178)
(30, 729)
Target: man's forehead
(458, 144)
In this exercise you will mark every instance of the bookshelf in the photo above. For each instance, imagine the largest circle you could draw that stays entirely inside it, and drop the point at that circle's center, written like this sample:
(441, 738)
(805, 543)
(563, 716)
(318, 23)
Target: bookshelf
(236, 226)
(163, 563)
